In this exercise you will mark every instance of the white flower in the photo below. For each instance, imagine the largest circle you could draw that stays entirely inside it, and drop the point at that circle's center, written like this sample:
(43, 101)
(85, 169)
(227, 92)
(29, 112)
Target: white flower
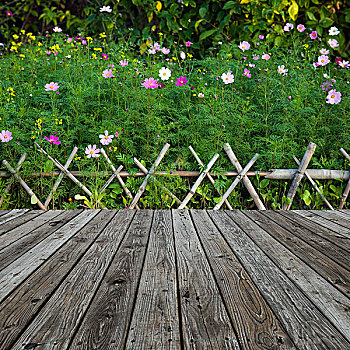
(105, 9)
(182, 55)
(333, 43)
(344, 64)
(220, 43)
(333, 31)
(57, 30)
(68, 56)
(326, 76)
(164, 73)
(228, 78)
(200, 95)
(324, 51)
(282, 70)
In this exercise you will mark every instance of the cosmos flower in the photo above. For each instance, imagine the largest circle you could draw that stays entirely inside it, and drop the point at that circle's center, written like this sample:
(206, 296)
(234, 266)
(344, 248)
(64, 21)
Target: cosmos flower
(244, 46)
(333, 43)
(105, 56)
(105, 139)
(324, 51)
(150, 83)
(124, 63)
(246, 73)
(53, 139)
(57, 30)
(300, 28)
(265, 56)
(6, 136)
(164, 73)
(188, 43)
(165, 51)
(52, 86)
(288, 27)
(261, 37)
(108, 73)
(181, 81)
(282, 70)
(313, 34)
(344, 64)
(323, 60)
(334, 97)
(200, 95)
(228, 77)
(105, 9)
(333, 31)
(182, 55)
(92, 151)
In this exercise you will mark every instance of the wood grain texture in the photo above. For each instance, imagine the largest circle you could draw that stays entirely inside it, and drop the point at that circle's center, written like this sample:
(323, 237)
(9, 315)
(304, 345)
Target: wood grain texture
(205, 322)
(23, 303)
(155, 321)
(55, 324)
(335, 216)
(328, 299)
(19, 270)
(27, 242)
(105, 325)
(323, 265)
(256, 324)
(306, 326)
(10, 214)
(3, 212)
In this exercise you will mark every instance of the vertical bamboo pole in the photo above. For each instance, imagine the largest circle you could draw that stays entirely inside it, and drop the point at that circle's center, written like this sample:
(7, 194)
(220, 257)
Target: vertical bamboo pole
(347, 188)
(239, 177)
(150, 173)
(7, 188)
(209, 177)
(23, 184)
(247, 183)
(60, 176)
(313, 183)
(299, 174)
(199, 180)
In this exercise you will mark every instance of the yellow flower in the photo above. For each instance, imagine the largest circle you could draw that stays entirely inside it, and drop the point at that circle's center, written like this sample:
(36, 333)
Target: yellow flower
(94, 56)
(189, 55)
(98, 49)
(40, 44)
(15, 36)
(103, 35)
(23, 31)
(89, 39)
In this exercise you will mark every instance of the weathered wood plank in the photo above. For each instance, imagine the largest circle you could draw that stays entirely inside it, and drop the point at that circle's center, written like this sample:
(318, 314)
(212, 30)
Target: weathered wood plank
(17, 218)
(105, 324)
(155, 321)
(255, 323)
(328, 299)
(57, 321)
(19, 270)
(306, 326)
(27, 242)
(344, 213)
(341, 221)
(9, 215)
(334, 273)
(27, 228)
(3, 212)
(205, 322)
(20, 307)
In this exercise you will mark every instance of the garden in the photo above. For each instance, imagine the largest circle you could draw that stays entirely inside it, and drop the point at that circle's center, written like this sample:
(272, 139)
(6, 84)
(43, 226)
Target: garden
(118, 80)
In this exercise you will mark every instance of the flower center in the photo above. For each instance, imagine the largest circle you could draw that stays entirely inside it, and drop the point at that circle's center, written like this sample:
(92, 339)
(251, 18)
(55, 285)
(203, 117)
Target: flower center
(150, 84)
(333, 96)
(5, 136)
(181, 82)
(164, 73)
(107, 75)
(91, 152)
(51, 87)
(106, 137)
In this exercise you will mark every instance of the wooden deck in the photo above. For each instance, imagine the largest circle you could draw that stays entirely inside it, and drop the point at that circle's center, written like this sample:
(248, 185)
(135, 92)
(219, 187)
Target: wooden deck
(174, 280)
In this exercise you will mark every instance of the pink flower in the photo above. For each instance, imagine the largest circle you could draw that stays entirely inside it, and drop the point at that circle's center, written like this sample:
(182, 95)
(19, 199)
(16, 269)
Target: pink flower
(244, 45)
(247, 73)
(323, 60)
(165, 51)
(324, 51)
(334, 97)
(288, 27)
(108, 73)
(53, 139)
(124, 63)
(51, 87)
(300, 28)
(256, 57)
(9, 13)
(344, 64)
(69, 40)
(333, 43)
(188, 43)
(181, 81)
(261, 37)
(265, 56)
(92, 151)
(228, 77)
(106, 139)
(84, 42)
(313, 34)
(150, 83)
(116, 134)
(6, 136)
(105, 56)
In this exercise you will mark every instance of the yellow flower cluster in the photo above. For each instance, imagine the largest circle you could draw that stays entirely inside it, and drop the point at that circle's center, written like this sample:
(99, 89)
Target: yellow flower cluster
(39, 124)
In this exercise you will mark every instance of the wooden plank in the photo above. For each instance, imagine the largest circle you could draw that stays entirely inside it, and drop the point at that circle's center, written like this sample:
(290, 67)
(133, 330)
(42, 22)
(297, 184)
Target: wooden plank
(341, 221)
(332, 303)
(17, 218)
(43, 219)
(205, 322)
(19, 270)
(344, 213)
(55, 324)
(105, 324)
(328, 269)
(256, 325)
(20, 307)
(27, 242)
(3, 212)
(316, 235)
(303, 322)
(155, 321)
(8, 215)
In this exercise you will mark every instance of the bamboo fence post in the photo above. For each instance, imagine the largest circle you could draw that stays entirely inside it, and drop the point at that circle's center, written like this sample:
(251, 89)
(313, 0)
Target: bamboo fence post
(122, 183)
(144, 170)
(65, 171)
(149, 174)
(247, 183)
(313, 183)
(7, 188)
(347, 188)
(299, 174)
(239, 177)
(112, 177)
(23, 184)
(198, 181)
(209, 176)
(60, 176)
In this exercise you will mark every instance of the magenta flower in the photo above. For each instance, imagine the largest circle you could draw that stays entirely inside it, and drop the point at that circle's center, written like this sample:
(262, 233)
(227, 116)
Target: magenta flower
(261, 37)
(313, 34)
(84, 42)
(106, 139)
(188, 43)
(108, 73)
(92, 151)
(105, 56)
(181, 81)
(244, 45)
(334, 97)
(6, 136)
(51, 87)
(124, 63)
(150, 83)
(48, 52)
(247, 73)
(9, 13)
(53, 139)
(301, 28)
